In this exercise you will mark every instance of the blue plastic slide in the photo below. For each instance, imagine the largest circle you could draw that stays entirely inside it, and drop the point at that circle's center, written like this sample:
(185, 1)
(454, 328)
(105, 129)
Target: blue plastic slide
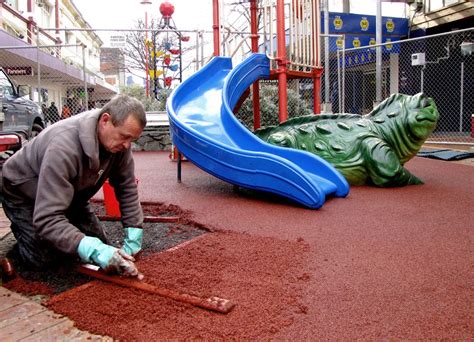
(205, 130)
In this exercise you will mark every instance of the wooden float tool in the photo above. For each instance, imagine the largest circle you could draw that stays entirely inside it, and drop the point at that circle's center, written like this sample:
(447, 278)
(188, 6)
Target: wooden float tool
(212, 303)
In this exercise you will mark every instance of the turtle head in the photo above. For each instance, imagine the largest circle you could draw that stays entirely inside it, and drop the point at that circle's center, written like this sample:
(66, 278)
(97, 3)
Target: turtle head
(405, 122)
(422, 115)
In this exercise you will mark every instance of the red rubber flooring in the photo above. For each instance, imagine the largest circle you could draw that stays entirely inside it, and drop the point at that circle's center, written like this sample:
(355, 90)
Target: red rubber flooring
(381, 263)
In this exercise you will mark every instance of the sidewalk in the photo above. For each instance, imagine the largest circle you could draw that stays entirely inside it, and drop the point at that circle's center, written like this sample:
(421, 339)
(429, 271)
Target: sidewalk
(23, 319)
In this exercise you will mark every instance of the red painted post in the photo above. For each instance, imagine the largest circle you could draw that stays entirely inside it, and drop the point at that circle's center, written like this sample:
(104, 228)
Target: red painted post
(282, 62)
(215, 27)
(255, 86)
(57, 26)
(316, 95)
(147, 71)
(30, 23)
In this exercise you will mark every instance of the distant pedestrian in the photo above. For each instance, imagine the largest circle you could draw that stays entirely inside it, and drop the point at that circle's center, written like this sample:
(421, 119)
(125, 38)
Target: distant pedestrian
(45, 111)
(66, 112)
(53, 113)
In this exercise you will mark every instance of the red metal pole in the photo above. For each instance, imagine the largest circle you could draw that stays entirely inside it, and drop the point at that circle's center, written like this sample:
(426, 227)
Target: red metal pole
(56, 25)
(29, 25)
(56, 17)
(282, 62)
(255, 86)
(215, 27)
(316, 93)
(147, 82)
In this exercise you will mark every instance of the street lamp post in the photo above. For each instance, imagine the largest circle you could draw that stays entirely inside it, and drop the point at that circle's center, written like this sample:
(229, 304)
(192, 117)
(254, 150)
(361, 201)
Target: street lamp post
(147, 83)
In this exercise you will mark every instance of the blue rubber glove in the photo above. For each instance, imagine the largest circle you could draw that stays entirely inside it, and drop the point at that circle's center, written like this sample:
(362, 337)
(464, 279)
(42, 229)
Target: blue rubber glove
(132, 243)
(109, 258)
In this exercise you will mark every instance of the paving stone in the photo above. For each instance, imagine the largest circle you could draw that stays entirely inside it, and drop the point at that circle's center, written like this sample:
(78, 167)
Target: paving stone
(30, 325)
(9, 299)
(64, 331)
(19, 312)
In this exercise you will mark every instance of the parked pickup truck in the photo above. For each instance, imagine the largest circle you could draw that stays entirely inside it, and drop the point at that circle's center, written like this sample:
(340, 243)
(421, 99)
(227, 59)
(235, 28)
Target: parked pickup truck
(18, 113)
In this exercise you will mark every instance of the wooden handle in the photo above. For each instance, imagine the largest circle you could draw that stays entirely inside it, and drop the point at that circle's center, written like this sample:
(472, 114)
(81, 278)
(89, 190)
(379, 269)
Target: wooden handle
(213, 303)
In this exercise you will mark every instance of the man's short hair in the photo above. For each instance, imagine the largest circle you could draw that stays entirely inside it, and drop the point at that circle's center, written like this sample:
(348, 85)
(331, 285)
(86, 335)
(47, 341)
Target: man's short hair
(120, 107)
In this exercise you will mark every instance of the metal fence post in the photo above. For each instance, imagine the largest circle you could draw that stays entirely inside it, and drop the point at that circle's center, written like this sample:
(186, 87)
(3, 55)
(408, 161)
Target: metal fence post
(378, 54)
(461, 95)
(339, 83)
(326, 53)
(38, 66)
(84, 73)
(342, 109)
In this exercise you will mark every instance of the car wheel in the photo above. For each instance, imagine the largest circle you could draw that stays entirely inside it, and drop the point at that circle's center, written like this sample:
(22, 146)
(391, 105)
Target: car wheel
(23, 135)
(35, 130)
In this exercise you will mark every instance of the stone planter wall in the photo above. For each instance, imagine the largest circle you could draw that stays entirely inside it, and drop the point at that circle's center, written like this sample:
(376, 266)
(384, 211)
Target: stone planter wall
(154, 139)
(156, 135)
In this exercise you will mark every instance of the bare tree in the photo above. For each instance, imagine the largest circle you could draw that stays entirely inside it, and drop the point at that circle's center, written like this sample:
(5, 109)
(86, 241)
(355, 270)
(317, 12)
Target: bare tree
(162, 49)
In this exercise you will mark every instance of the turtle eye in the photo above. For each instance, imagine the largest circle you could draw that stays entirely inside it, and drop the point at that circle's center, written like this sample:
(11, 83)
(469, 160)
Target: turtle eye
(419, 101)
(424, 102)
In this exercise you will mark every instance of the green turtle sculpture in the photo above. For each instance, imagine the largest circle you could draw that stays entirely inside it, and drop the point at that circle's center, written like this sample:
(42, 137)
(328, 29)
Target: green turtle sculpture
(366, 149)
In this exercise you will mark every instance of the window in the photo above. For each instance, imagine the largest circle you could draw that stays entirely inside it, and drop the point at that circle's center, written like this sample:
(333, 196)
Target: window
(434, 5)
(13, 4)
(69, 38)
(6, 87)
(45, 14)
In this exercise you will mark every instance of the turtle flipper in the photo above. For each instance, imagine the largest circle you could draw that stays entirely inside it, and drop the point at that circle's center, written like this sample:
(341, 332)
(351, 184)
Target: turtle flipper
(384, 167)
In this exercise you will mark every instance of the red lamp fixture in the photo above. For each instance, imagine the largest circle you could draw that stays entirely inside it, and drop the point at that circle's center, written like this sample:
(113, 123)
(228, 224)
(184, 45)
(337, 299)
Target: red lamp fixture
(168, 81)
(166, 10)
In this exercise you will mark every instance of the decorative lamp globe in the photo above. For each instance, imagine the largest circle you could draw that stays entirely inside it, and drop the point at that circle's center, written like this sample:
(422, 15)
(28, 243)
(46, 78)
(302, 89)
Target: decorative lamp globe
(166, 9)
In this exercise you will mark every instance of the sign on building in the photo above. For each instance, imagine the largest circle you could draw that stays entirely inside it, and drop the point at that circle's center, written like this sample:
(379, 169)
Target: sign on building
(117, 41)
(19, 71)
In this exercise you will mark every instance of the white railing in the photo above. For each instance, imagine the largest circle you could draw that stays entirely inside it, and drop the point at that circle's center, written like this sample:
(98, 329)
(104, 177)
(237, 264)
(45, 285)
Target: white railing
(301, 32)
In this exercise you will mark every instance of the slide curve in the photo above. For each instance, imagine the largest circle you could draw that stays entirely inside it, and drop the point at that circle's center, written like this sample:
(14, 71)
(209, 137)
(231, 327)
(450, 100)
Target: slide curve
(205, 130)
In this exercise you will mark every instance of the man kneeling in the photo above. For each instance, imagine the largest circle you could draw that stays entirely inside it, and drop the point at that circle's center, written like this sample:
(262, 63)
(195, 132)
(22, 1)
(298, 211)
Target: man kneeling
(47, 186)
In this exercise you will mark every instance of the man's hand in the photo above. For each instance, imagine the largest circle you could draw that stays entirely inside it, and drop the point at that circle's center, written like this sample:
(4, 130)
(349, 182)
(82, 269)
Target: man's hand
(132, 243)
(109, 258)
(122, 263)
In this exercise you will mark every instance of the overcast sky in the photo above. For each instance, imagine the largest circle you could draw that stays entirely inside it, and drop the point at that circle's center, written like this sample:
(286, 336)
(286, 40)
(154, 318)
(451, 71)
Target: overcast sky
(105, 14)
(189, 14)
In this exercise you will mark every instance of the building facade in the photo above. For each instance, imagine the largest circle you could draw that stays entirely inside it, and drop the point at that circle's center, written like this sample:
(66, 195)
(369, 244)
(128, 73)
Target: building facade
(48, 45)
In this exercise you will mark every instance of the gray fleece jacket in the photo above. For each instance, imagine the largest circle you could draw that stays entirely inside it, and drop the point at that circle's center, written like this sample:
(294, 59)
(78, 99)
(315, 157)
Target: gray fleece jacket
(64, 167)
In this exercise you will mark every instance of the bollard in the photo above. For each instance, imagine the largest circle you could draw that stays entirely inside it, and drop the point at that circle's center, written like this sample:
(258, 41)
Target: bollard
(112, 207)
(111, 204)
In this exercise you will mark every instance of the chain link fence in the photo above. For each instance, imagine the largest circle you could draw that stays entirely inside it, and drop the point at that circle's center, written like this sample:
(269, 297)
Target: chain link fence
(63, 80)
(299, 103)
(435, 65)
(59, 81)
